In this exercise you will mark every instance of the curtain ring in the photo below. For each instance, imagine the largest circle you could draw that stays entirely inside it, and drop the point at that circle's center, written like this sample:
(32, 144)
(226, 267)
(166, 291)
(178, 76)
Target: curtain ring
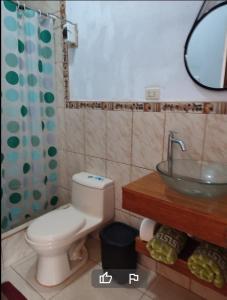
(39, 12)
(18, 5)
(24, 6)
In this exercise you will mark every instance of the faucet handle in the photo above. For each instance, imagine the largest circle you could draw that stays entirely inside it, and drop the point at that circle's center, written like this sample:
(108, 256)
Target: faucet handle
(172, 132)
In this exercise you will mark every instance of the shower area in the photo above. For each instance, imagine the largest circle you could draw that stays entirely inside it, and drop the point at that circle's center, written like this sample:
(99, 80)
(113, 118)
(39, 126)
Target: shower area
(29, 151)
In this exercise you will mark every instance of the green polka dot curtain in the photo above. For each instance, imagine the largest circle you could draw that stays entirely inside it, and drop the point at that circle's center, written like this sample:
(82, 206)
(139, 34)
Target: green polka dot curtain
(29, 152)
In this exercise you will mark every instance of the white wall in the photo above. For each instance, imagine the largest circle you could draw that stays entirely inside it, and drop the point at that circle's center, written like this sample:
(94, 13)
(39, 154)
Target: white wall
(125, 46)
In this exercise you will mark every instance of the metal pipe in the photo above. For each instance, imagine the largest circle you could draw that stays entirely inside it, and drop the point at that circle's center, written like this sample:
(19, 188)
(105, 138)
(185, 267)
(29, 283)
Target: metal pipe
(49, 15)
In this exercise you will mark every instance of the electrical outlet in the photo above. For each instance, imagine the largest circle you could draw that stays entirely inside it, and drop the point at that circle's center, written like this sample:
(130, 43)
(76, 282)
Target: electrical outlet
(152, 93)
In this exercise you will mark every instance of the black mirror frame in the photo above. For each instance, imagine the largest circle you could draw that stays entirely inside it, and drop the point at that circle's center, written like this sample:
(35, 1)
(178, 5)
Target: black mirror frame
(196, 23)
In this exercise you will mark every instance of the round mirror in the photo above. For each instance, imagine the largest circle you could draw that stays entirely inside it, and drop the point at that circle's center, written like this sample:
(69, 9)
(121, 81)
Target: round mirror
(205, 53)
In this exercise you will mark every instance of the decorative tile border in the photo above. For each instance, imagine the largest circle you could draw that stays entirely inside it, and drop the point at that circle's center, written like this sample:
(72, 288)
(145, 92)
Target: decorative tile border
(65, 54)
(191, 107)
(187, 107)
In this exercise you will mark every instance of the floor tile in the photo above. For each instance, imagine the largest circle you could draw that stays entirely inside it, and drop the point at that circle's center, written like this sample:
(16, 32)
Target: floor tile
(11, 276)
(163, 289)
(81, 289)
(26, 270)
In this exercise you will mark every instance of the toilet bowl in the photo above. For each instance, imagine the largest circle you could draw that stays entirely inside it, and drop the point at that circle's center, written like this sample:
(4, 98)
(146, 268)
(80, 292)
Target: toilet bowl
(58, 237)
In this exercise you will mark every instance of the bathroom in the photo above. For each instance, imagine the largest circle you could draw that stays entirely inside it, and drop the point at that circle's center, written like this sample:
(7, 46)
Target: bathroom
(99, 90)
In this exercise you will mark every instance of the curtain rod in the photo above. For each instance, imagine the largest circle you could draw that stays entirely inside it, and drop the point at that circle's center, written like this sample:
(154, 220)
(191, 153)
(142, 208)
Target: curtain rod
(49, 15)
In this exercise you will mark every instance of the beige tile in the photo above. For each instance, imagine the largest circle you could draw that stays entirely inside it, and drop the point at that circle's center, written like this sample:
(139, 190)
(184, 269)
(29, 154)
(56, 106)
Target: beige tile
(94, 249)
(137, 172)
(14, 248)
(75, 130)
(120, 173)
(135, 221)
(64, 196)
(59, 85)
(95, 133)
(164, 289)
(205, 292)
(147, 143)
(27, 270)
(62, 169)
(45, 6)
(95, 165)
(145, 297)
(119, 130)
(190, 128)
(20, 284)
(61, 128)
(81, 289)
(147, 262)
(122, 216)
(150, 277)
(58, 42)
(174, 276)
(75, 164)
(215, 148)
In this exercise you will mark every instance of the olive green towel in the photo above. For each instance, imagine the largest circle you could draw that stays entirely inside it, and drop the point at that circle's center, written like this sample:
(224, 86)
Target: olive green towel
(209, 262)
(166, 245)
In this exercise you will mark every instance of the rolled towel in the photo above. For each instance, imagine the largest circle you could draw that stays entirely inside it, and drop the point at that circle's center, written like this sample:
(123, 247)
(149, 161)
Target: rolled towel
(166, 245)
(209, 262)
(147, 228)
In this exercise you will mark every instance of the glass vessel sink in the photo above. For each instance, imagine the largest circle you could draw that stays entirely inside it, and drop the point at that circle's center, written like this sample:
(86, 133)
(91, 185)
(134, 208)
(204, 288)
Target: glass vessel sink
(195, 178)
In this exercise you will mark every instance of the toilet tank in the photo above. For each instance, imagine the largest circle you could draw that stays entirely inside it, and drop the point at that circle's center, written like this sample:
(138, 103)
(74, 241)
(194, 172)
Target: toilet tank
(93, 195)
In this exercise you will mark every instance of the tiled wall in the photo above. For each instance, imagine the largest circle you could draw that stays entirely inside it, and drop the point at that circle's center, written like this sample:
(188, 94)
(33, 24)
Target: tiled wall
(125, 145)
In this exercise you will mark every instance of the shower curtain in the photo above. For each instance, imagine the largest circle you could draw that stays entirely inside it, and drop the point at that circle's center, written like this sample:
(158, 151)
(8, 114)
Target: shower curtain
(28, 141)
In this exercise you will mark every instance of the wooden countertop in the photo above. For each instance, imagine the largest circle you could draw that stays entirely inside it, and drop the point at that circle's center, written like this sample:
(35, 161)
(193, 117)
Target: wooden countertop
(202, 217)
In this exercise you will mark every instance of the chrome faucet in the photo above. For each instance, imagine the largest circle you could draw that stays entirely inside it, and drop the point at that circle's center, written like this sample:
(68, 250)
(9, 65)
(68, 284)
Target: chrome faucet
(171, 140)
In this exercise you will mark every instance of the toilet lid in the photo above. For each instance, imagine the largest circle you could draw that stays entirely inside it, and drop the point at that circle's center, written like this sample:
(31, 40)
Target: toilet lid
(56, 225)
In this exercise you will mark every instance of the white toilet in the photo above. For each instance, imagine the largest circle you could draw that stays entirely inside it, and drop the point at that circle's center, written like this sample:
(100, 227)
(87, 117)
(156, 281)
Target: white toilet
(59, 236)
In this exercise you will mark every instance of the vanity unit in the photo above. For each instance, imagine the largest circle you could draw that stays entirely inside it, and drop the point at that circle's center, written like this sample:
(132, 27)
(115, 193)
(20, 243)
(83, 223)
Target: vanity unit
(203, 218)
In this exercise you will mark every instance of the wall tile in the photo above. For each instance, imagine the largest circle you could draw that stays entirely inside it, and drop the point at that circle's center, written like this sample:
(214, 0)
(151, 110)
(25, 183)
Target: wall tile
(64, 196)
(120, 173)
(190, 128)
(74, 120)
(75, 164)
(122, 216)
(137, 173)
(61, 128)
(58, 41)
(119, 130)
(48, 7)
(62, 169)
(205, 292)
(147, 262)
(174, 276)
(148, 133)
(95, 133)
(215, 147)
(59, 85)
(95, 165)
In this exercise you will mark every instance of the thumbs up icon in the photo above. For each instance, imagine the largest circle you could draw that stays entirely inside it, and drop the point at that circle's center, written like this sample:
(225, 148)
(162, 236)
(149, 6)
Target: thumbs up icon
(105, 278)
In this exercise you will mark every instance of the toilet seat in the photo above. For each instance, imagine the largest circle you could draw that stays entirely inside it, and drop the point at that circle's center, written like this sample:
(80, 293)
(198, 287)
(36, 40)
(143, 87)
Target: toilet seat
(56, 225)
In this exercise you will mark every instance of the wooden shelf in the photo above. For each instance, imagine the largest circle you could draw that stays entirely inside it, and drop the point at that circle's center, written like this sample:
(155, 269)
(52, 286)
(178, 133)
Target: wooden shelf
(181, 264)
(201, 217)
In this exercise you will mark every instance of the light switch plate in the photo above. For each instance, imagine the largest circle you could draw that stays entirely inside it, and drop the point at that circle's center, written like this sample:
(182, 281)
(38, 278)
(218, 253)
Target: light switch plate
(152, 93)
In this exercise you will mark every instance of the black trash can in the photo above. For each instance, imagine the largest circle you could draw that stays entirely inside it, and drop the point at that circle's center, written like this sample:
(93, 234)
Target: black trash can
(118, 250)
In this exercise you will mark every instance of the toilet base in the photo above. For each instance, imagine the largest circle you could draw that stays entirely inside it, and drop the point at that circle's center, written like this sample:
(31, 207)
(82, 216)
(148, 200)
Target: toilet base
(52, 271)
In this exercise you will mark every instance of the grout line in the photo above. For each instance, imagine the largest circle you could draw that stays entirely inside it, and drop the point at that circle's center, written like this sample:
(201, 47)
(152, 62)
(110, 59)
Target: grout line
(164, 136)
(131, 150)
(204, 137)
(30, 285)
